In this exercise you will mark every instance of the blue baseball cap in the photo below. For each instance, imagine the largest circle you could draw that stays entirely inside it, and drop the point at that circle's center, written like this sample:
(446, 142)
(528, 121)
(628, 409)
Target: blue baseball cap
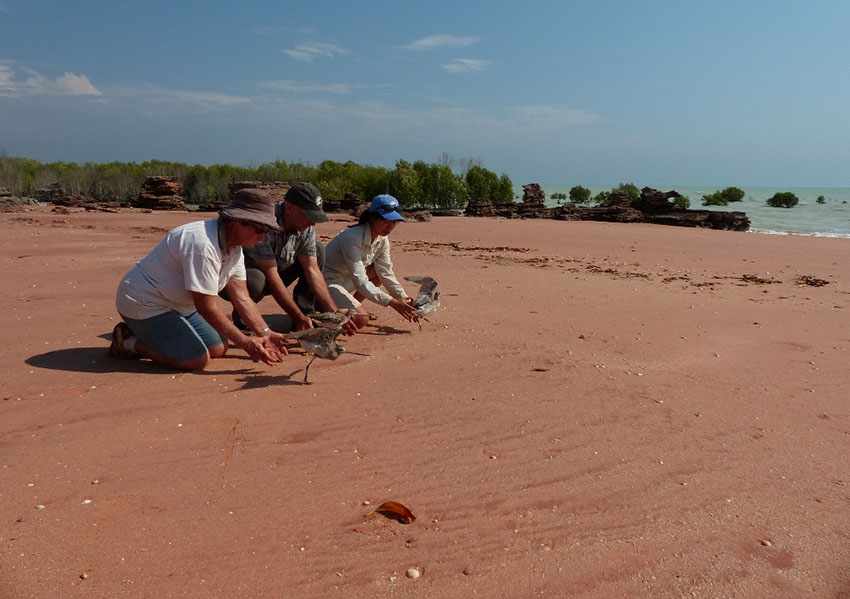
(387, 206)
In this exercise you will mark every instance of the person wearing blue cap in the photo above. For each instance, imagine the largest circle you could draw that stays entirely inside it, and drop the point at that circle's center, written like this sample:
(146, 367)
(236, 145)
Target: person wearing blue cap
(357, 263)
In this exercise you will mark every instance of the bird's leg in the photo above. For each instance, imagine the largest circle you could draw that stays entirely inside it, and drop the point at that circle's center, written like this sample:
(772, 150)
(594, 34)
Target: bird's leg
(306, 370)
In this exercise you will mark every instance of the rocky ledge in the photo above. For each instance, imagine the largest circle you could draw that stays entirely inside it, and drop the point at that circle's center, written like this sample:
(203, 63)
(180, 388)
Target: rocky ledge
(653, 206)
(160, 193)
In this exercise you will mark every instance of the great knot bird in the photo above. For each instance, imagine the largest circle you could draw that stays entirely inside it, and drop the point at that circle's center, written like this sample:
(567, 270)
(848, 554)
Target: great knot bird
(320, 342)
(428, 298)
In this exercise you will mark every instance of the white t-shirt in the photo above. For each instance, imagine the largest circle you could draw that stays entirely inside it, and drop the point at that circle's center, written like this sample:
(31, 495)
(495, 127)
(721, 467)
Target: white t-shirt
(189, 259)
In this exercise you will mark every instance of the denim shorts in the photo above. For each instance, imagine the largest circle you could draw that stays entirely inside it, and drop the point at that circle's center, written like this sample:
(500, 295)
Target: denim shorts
(179, 338)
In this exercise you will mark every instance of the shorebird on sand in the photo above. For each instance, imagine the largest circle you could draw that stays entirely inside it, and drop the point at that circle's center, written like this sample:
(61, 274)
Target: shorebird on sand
(428, 298)
(330, 320)
(320, 342)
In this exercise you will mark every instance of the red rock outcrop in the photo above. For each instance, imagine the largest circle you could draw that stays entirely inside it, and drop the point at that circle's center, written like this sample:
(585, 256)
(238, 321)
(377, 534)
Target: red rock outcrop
(160, 193)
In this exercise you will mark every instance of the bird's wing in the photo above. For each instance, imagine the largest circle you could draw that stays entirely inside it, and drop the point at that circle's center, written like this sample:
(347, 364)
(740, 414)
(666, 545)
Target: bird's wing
(420, 280)
(331, 319)
(426, 291)
(316, 335)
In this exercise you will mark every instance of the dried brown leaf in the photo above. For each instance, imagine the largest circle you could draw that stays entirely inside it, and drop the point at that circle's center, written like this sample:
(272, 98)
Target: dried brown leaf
(395, 511)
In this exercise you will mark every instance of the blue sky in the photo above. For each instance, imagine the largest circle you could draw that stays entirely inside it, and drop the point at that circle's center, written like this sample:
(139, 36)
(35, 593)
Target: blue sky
(594, 92)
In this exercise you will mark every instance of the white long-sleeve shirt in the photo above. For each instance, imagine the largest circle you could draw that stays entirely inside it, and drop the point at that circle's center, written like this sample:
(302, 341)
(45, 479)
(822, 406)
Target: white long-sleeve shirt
(349, 254)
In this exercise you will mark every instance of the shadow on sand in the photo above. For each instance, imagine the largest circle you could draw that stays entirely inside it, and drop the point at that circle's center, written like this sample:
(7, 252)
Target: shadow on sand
(382, 329)
(98, 360)
(259, 381)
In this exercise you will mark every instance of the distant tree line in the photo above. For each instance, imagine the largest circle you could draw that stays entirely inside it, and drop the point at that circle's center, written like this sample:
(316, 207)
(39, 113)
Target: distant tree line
(582, 195)
(415, 185)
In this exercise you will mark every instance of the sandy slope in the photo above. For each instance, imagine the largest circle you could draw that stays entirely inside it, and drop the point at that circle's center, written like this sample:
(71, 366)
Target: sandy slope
(600, 411)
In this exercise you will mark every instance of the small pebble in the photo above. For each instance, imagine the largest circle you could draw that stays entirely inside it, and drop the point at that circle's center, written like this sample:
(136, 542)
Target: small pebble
(39, 507)
(83, 576)
(412, 573)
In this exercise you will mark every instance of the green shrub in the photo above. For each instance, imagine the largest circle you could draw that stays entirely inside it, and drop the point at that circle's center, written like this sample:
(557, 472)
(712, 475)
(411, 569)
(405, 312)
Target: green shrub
(733, 194)
(714, 199)
(602, 197)
(783, 199)
(484, 183)
(682, 202)
(722, 198)
(579, 194)
(631, 189)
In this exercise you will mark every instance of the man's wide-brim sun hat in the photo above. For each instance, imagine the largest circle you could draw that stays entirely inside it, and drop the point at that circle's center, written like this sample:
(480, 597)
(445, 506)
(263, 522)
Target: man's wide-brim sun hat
(253, 206)
(387, 206)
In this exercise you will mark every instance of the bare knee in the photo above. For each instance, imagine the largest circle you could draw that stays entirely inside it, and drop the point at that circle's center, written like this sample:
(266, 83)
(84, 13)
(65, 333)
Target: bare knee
(360, 320)
(218, 351)
(196, 364)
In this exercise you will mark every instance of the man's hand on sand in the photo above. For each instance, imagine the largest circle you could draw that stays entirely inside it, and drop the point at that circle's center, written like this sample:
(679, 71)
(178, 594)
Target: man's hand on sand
(268, 350)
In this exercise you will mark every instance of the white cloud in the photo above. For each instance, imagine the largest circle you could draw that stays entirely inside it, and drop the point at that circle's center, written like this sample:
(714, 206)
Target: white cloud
(552, 116)
(37, 84)
(452, 122)
(467, 65)
(76, 85)
(296, 87)
(5, 79)
(441, 41)
(269, 29)
(158, 94)
(311, 51)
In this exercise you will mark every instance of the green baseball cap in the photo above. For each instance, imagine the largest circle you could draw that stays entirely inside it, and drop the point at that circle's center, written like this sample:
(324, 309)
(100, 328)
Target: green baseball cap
(307, 197)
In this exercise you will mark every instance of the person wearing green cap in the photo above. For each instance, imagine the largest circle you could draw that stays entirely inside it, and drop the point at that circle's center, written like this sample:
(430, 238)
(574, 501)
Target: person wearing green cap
(292, 253)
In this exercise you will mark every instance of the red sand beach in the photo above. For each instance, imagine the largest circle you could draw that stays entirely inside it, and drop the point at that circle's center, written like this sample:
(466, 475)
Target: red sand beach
(601, 410)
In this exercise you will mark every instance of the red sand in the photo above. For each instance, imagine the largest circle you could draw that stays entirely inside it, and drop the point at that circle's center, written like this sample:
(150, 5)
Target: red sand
(601, 410)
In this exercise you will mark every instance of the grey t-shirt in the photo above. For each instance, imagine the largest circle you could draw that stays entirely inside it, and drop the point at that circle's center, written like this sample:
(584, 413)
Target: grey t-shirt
(282, 246)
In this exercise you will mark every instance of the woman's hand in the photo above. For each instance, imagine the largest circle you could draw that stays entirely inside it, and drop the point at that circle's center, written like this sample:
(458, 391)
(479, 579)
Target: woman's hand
(349, 328)
(405, 308)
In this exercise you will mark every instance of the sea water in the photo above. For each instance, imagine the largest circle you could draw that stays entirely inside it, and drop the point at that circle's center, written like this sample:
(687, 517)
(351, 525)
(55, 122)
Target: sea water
(808, 217)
